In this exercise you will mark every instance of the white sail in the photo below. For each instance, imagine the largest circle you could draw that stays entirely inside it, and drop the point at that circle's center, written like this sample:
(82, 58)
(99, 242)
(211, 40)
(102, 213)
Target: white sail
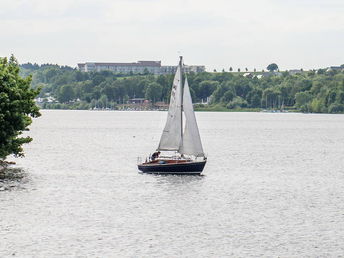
(191, 144)
(172, 134)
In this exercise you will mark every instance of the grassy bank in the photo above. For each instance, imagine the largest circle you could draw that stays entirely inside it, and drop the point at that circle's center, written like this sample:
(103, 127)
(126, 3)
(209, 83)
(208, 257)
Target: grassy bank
(221, 108)
(224, 109)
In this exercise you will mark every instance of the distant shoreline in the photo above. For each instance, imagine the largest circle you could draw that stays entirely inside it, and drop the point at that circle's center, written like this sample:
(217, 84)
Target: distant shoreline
(252, 110)
(242, 110)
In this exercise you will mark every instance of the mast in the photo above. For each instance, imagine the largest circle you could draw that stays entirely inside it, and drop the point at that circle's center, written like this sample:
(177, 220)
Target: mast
(181, 100)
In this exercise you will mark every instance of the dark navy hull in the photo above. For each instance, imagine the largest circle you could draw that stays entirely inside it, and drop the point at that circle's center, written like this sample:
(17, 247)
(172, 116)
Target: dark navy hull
(186, 168)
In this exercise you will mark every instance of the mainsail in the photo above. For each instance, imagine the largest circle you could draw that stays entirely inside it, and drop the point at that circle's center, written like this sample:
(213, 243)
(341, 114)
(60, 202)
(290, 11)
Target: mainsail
(191, 144)
(171, 137)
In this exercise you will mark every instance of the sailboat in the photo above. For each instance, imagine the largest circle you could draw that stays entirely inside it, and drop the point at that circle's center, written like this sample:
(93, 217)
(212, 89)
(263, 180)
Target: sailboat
(180, 149)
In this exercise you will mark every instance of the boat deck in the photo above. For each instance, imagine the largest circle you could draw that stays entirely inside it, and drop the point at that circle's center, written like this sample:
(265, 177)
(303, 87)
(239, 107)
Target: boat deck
(167, 161)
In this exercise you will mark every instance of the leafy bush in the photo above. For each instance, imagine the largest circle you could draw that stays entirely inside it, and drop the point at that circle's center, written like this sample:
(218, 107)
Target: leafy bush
(336, 108)
(237, 102)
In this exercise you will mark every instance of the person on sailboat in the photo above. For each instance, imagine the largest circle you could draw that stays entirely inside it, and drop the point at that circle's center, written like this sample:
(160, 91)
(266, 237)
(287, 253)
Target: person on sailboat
(155, 155)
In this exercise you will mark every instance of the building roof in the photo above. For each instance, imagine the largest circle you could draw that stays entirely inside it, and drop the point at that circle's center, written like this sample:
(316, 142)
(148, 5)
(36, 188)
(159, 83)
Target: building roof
(139, 63)
(337, 68)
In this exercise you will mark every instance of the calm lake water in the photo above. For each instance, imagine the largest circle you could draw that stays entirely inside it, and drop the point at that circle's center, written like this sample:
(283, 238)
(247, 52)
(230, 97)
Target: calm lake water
(273, 187)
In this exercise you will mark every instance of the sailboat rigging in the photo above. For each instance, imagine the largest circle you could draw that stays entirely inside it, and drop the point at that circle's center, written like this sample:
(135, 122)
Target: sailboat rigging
(182, 147)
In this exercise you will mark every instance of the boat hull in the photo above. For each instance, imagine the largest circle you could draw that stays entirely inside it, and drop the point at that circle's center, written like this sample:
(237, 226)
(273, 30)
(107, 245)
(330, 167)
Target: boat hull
(185, 168)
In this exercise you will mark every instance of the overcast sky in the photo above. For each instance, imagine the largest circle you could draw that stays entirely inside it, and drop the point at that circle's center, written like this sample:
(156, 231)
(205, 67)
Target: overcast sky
(215, 33)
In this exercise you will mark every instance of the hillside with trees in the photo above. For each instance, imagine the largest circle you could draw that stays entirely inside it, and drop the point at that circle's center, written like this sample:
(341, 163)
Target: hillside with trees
(320, 91)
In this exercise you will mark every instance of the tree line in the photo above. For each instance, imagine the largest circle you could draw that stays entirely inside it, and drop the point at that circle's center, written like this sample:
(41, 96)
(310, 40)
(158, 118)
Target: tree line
(320, 91)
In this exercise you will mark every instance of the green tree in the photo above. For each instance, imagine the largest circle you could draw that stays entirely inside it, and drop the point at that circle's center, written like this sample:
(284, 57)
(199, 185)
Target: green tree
(153, 91)
(340, 97)
(125, 99)
(268, 97)
(66, 93)
(336, 108)
(254, 97)
(17, 106)
(206, 88)
(237, 102)
(272, 67)
(220, 91)
(302, 99)
(316, 105)
(103, 101)
(228, 96)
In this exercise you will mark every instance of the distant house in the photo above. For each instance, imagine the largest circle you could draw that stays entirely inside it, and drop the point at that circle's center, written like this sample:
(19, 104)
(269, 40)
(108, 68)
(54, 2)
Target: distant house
(295, 71)
(137, 101)
(335, 68)
(248, 75)
(39, 100)
(269, 74)
(139, 67)
(48, 99)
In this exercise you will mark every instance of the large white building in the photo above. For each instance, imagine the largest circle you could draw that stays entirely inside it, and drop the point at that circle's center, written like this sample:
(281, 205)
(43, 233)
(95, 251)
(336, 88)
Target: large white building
(152, 67)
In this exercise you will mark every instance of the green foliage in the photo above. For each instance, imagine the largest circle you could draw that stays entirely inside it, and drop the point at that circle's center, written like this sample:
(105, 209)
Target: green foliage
(66, 93)
(316, 105)
(314, 91)
(82, 105)
(228, 96)
(215, 108)
(153, 92)
(237, 102)
(302, 100)
(17, 106)
(206, 88)
(336, 108)
(272, 67)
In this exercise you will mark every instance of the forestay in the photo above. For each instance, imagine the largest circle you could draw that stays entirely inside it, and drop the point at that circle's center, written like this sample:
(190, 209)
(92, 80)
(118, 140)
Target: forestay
(171, 136)
(191, 144)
